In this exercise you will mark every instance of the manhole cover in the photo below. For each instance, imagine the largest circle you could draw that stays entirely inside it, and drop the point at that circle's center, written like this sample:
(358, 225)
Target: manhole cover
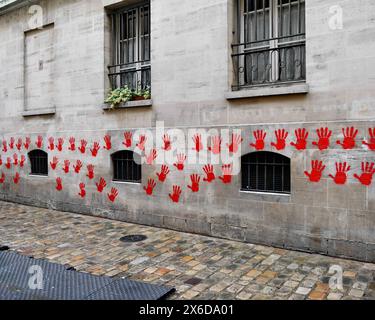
(4, 248)
(133, 238)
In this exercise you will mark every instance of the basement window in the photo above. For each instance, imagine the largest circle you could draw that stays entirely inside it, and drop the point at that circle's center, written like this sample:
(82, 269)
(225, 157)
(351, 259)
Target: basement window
(38, 162)
(127, 166)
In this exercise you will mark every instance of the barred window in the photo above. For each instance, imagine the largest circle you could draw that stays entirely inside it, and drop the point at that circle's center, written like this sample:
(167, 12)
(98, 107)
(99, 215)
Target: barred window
(265, 172)
(126, 166)
(131, 50)
(39, 162)
(270, 44)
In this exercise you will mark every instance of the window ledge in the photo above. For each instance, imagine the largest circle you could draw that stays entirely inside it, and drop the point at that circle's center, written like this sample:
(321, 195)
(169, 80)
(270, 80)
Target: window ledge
(274, 90)
(130, 104)
(39, 112)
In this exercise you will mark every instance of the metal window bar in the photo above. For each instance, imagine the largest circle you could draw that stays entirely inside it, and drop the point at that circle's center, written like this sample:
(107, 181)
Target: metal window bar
(271, 43)
(125, 168)
(38, 162)
(131, 58)
(265, 172)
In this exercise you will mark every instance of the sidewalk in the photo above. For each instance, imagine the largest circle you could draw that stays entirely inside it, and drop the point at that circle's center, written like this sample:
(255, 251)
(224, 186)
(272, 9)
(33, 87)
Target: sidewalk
(198, 267)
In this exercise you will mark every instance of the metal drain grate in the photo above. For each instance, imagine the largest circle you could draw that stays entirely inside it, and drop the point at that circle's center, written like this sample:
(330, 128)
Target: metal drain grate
(133, 238)
(4, 248)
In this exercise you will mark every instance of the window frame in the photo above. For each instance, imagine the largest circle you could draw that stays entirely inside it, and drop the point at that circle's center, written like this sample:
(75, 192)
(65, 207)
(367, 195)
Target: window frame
(45, 173)
(138, 167)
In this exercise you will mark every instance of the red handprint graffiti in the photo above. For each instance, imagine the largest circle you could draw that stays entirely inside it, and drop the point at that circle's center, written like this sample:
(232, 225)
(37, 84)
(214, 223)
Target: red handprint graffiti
(60, 144)
(113, 195)
(175, 195)
(301, 135)
(324, 135)
(107, 142)
(163, 173)
(281, 136)
(151, 157)
(54, 163)
(15, 159)
(90, 171)
(350, 133)
(209, 171)
(72, 144)
(215, 147)
(142, 142)
(259, 136)
(195, 179)
(22, 161)
(235, 142)
(95, 149)
(39, 142)
(66, 166)
(59, 185)
(5, 146)
(2, 178)
(8, 164)
(368, 170)
(51, 143)
(167, 143)
(11, 143)
(19, 144)
(78, 166)
(82, 147)
(101, 185)
(127, 139)
(27, 143)
(316, 172)
(16, 178)
(227, 170)
(180, 161)
(371, 143)
(198, 142)
(341, 173)
(151, 184)
(82, 190)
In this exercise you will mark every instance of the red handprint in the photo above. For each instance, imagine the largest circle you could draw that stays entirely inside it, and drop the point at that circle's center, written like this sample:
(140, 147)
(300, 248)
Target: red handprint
(368, 170)
(350, 134)
(101, 185)
(54, 163)
(22, 161)
(198, 142)
(215, 147)
(15, 159)
(195, 179)
(175, 196)
(108, 142)
(167, 143)
(301, 135)
(113, 195)
(371, 143)
(281, 135)
(227, 173)
(127, 139)
(2, 179)
(235, 142)
(142, 142)
(341, 173)
(209, 171)
(180, 161)
(39, 142)
(5, 146)
(151, 184)
(151, 157)
(51, 143)
(259, 136)
(82, 190)
(324, 134)
(8, 164)
(163, 173)
(11, 143)
(66, 166)
(90, 171)
(72, 142)
(1, 161)
(317, 170)
(83, 145)
(59, 185)
(27, 143)
(19, 144)
(60, 143)
(95, 149)
(78, 166)
(16, 178)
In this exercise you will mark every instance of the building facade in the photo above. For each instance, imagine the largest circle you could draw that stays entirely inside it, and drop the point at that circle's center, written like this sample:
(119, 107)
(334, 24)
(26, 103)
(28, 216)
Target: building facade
(291, 81)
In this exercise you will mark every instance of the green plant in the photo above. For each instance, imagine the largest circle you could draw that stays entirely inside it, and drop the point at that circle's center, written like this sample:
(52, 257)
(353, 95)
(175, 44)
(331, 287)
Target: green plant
(119, 95)
(145, 93)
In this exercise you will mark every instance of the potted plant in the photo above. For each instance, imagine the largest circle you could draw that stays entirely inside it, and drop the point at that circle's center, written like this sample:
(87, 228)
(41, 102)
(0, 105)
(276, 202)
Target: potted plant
(141, 94)
(119, 95)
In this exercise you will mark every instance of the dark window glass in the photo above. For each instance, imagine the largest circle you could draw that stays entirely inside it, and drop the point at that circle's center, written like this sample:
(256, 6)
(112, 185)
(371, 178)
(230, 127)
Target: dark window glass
(125, 168)
(265, 172)
(39, 162)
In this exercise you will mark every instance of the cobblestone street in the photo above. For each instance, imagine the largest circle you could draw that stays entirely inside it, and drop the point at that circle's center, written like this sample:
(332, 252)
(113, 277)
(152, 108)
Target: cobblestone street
(198, 267)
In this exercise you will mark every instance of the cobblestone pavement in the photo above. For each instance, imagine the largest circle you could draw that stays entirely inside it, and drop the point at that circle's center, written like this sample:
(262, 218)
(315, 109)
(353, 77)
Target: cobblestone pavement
(198, 267)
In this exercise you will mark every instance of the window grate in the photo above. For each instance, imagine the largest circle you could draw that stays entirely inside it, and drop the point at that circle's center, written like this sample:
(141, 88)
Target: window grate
(265, 172)
(126, 167)
(39, 162)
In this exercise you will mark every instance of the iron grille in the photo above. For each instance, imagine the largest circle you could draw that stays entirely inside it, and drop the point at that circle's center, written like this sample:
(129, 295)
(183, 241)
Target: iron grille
(126, 166)
(271, 42)
(39, 162)
(131, 47)
(265, 172)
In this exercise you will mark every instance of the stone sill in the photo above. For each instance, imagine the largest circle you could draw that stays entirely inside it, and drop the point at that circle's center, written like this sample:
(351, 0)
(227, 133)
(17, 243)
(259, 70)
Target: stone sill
(130, 104)
(266, 91)
(39, 112)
